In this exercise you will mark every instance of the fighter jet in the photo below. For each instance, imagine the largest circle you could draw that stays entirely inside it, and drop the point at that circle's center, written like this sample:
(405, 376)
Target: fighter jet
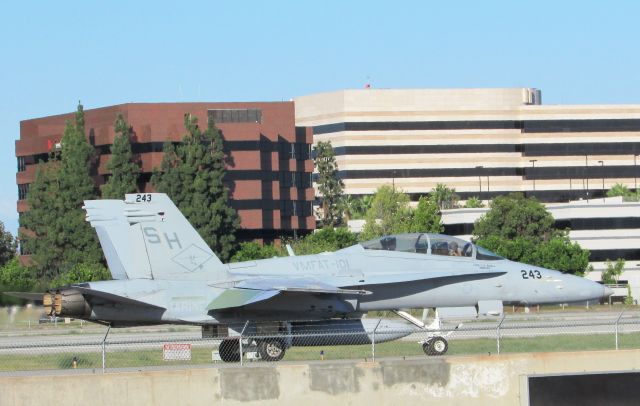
(164, 273)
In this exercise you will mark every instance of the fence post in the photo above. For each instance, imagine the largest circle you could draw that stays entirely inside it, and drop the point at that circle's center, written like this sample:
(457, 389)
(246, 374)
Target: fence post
(240, 341)
(617, 324)
(373, 342)
(104, 349)
(498, 332)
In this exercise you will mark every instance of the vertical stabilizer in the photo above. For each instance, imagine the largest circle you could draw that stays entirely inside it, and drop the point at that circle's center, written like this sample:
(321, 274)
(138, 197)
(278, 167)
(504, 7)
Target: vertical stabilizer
(107, 217)
(150, 238)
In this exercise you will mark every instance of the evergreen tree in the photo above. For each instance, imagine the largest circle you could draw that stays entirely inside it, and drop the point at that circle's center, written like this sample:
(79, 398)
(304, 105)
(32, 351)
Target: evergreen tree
(57, 234)
(124, 171)
(330, 185)
(39, 234)
(76, 185)
(192, 173)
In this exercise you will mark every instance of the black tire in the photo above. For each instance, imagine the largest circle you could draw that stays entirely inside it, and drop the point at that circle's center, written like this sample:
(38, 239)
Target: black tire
(271, 350)
(438, 346)
(425, 348)
(229, 350)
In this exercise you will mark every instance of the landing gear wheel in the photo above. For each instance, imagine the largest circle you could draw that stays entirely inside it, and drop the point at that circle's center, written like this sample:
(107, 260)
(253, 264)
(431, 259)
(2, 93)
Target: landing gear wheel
(435, 346)
(271, 349)
(229, 350)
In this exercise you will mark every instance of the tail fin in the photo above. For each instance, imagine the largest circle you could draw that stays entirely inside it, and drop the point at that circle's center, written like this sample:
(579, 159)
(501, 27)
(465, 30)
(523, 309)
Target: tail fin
(107, 217)
(146, 236)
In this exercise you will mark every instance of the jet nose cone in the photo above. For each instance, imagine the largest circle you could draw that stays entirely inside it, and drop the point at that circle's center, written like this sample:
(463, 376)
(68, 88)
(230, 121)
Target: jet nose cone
(607, 292)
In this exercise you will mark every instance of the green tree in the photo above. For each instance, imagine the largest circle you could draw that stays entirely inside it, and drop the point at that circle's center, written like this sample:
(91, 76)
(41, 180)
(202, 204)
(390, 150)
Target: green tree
(57, 234)
(521, 229)
(124, 171)
(444, 197)
(515, 216)
(16, 277)
(82, 272)
(39, 234)
(253, 250)
(563, 255)
(613, 271)
(473, 203)
(366, 202)
(348, 206)
(327, 239)
(192, 174)
(330, 185)
(622, 190)
(78, 239)
(389, 214)
(619, 190)
(426, 217)
(7, 245)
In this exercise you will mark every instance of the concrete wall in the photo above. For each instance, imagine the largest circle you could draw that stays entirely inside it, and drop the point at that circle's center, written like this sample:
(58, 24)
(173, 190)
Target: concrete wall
(479, 380)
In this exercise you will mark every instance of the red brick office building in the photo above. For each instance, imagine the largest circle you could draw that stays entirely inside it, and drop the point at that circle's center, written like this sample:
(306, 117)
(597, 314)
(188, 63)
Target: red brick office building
(269, 173)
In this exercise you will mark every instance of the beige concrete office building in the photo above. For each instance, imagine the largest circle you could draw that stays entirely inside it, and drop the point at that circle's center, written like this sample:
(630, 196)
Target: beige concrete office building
(482, 142)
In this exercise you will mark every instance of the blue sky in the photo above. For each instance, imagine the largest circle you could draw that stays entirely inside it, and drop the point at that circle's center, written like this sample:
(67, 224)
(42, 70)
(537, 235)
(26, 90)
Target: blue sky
(56, 53)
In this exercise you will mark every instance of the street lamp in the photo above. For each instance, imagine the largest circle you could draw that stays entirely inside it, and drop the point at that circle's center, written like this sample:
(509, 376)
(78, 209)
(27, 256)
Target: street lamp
(586, 175)
(602, 166)
(479, 168)
(635, 173)
(533, 167)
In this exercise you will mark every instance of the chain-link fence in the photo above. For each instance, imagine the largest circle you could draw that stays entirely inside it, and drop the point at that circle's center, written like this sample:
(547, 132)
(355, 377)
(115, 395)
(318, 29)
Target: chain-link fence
(368, 339)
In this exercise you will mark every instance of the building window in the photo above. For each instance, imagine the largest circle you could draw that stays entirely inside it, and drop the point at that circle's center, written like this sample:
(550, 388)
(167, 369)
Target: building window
(21, 164)
(23, 189)
(236, 115)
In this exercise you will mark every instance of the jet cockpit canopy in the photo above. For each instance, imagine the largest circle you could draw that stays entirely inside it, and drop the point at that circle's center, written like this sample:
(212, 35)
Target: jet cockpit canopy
(433, 244)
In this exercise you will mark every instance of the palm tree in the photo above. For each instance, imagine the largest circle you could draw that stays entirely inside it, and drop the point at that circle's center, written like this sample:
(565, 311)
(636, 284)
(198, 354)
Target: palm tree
(366, 202)
(349, 206)
(444, 197)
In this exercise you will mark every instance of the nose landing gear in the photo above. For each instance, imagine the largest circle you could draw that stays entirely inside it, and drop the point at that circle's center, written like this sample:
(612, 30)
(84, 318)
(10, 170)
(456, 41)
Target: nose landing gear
(435, 345)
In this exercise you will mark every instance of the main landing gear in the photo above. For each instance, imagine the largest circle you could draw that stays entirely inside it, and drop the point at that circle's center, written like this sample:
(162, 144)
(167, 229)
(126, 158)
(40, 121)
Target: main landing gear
(435, 345)
(271, 349)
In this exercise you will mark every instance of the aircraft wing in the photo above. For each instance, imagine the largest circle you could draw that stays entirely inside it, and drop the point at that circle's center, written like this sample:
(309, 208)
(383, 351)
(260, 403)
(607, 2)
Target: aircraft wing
(308, 284)
(254, 290)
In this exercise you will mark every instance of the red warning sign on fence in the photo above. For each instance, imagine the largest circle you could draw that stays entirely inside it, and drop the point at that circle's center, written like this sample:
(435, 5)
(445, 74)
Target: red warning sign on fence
(176, 352)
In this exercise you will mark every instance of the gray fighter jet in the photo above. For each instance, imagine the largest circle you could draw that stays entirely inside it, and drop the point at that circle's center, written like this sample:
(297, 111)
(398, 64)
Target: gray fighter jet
(164, 272)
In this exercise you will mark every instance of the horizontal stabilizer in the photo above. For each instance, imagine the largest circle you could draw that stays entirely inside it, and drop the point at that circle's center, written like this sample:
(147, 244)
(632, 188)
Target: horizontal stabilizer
(36, 297)
(240, 297)
(87, 292)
